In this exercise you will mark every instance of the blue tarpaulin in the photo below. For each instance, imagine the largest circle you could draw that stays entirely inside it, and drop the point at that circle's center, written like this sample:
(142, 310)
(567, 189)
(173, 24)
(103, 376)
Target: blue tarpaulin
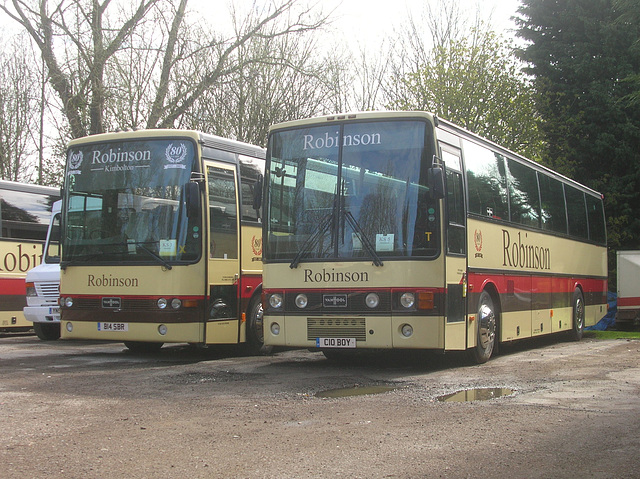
(609, 320)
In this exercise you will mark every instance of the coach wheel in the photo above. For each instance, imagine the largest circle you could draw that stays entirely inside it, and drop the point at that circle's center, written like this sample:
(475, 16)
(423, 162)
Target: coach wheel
(47, 331)
(142, 346)
(486, 327)
(255, 325)
(578, 315)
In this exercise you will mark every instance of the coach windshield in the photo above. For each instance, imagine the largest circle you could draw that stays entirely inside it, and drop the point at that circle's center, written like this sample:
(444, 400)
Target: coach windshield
(351, 191)
(126, 203)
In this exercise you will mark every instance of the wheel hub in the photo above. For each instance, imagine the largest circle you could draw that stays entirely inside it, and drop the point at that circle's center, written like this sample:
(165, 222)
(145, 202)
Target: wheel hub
(487, 327)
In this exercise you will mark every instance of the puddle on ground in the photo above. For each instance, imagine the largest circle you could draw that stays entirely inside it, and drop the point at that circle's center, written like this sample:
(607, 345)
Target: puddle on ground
(354, 391)
(477, 394)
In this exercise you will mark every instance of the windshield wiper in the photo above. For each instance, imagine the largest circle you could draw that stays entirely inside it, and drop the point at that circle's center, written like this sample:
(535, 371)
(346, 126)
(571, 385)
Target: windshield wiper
(158, 258)
(363, 238)
(313, 240)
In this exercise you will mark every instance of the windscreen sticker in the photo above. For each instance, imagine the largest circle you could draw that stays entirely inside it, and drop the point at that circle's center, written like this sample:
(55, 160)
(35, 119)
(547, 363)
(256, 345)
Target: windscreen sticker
(355, 240)
(168, 247)
(384, 242)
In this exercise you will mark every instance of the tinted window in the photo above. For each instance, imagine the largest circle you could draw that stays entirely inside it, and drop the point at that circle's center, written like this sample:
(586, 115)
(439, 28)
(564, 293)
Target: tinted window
(487, 182)
(553, 213)
(523, 194)
(52, 247)
(597, 230)
(577, 212)
(350, 190)
(251, 171)
(126, 202)
(25, 215)
(455, 210)
(222, 214)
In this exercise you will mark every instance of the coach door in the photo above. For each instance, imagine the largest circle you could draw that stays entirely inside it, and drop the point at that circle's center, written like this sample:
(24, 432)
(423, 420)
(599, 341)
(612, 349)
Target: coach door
(223, 254)
(456, 252)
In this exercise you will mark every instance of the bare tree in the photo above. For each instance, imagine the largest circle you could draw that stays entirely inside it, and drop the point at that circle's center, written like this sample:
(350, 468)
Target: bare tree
(227, 59)
(84, 42)
(18, 104)
(370, 76)
(76, 40)
(440, 23)
(276, 79)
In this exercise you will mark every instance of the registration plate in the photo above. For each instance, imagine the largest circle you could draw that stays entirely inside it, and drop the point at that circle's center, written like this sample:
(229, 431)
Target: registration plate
(54, 310)
(113, 326)
(335, 342)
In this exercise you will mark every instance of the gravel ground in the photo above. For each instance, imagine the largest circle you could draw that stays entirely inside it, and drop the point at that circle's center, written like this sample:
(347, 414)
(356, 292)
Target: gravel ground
(95, 410)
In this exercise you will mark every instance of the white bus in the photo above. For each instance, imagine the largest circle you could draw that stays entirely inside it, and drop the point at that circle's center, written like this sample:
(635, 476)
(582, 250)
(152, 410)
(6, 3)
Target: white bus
(43, 285)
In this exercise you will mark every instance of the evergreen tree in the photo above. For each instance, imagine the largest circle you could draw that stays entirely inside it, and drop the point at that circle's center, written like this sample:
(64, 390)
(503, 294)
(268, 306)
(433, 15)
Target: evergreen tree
(584, 57)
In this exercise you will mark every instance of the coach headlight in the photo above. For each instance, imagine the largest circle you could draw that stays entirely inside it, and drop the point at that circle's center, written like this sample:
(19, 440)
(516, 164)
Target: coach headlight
(162, 303)
(372, 300)
(275, 301)
(408, 300)
(68, 302)
(176, 303)
(302, 301)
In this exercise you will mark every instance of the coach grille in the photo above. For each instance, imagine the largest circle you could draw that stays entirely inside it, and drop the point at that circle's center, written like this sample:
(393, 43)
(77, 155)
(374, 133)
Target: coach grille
(336, 328)
(327, 302)
(127, 304)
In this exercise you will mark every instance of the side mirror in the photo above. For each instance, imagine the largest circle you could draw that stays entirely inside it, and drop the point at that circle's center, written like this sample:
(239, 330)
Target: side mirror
(192, 199)
(435, 181)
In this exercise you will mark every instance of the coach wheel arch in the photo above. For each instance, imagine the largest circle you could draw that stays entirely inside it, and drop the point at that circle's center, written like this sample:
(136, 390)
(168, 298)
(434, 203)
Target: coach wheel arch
(486, 324)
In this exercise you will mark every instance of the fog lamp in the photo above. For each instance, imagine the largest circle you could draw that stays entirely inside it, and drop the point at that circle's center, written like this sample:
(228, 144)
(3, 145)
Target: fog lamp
(407, 330)
(162, 329)
(69, 327)
(275, 329)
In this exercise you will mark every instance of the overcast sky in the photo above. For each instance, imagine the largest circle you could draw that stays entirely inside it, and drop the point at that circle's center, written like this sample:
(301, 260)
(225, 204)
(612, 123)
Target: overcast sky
(364, 21)
(369, 20)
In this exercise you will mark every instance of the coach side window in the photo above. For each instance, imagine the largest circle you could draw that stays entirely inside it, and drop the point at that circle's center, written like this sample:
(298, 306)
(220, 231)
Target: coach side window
(222, 214)
(523, 194)
(577, 212)
(251, 169)
(553, 213)
(487, 182)
(455, 203)
(597, 229)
